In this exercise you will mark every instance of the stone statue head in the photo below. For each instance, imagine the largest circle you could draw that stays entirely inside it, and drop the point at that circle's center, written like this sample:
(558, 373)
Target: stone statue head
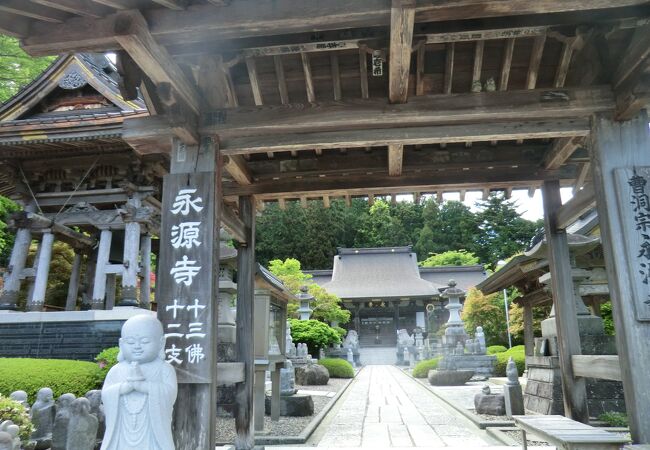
(94, 397)
(142, 340)
(81, 406)
(45, 395)
(19, 396)
(486, 390)
(479, 330)
(65, 401)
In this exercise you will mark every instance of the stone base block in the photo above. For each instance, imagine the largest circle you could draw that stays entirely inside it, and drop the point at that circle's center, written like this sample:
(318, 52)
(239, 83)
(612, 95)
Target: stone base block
(449, 377)
(514, 400)
(587, 325)
(490, 404)
(482, 365)
(226, 401)
(298, 405)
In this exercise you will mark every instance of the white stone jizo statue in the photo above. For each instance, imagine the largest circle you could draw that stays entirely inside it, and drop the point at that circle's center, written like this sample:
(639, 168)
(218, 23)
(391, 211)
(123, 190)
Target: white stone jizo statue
(140, 390)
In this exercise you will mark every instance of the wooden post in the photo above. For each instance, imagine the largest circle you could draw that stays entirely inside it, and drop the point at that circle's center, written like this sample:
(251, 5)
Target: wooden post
(188, 287)
(130, 260)
(568, 337)
(244, 423)
(99, 283)
(73, 287)
(275, 393)
(145, 279)
(618, 149)
(19, 253)
(529, 333)
(37, 299)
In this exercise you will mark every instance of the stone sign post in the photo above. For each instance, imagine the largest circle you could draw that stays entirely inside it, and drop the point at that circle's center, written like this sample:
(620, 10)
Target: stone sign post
(188, 286)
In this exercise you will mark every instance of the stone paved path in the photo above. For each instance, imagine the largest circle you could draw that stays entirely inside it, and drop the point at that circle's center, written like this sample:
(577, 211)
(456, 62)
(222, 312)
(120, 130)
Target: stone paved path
(386, 408)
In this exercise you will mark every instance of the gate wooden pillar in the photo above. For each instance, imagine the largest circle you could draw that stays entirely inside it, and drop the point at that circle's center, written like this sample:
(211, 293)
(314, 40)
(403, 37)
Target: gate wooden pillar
(621, 171)
(188, 287)
(566, 318)
(244, 423)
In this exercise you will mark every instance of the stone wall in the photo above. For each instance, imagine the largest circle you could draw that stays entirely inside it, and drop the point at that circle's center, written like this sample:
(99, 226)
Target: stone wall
(62, 335)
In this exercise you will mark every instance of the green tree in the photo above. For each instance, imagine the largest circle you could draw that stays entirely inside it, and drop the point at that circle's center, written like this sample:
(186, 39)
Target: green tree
(517, 320)
(380, 229)
(17, 68)
(325, 306)
(450, 258)
(502, 232)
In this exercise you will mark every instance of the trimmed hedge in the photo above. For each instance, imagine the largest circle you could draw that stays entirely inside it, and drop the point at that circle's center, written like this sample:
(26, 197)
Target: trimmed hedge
(60, 375)
(14, 411)
(494, 349)
(421, 369)
(518, 354)
(337, 367)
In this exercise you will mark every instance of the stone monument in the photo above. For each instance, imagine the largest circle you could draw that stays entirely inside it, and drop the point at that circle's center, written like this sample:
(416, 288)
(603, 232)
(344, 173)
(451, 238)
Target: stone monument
(512, 394)
(291, 403)
(305, 299)
(480, 337)
(140, 390)
(96, 408)
(9, 439)
(82, 428)
(61, 421)
(42, 415)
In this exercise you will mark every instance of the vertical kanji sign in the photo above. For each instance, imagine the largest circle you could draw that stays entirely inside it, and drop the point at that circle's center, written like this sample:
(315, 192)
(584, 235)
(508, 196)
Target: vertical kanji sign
(185, 297)
(633, 189)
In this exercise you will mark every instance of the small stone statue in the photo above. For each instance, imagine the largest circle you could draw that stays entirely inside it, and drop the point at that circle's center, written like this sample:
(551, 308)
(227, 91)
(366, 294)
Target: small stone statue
(42, 415)
(20, 397)
(486, 390)
(287, 379)
(351, 340)
(9, 439)
(480, 337)
(61, 421)
(476, 86)
(460, 350)
(82, 429)
(511, 372)
(96, 408)
(140, 390)
(490, 85)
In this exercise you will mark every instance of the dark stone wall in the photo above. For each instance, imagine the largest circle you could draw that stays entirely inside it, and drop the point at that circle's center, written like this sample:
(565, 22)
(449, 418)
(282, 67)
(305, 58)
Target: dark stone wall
(58, 340)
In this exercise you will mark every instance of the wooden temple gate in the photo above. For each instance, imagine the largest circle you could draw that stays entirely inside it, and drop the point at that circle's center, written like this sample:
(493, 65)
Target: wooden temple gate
(311, 99)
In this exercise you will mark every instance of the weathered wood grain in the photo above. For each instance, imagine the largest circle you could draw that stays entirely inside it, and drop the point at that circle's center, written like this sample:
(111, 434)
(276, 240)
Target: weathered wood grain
(602, 367)
(566, 319)
(506, 63)
(582, 201)
(560, 151)
(395, 157)
(402, 19)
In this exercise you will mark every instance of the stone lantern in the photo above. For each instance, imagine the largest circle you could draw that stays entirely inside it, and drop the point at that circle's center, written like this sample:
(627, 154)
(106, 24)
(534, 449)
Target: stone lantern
(454, 330)
(305, 299)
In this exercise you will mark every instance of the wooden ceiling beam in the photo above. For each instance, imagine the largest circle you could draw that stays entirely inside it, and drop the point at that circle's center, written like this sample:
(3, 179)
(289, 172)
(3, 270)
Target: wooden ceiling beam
(634, 58)
(39, 12)
(132, 33)
(402, 20)
(254, 81)
(419, 71)
(309, 80)
(478, 66)
(176, 5)
(565, 61)
(238, 169)
(233, 224)
(535, 60)
(560, 151)
(84, 8)
(583, 201)
(203, 22)
(116, 4)
(506, 63)
(380, 184)
(583, 173)
(405, 136)
(395, 158)
(336, 75)
(282, 81)
(449, 67)
(13, 25)
(487, 107)
(363, 73)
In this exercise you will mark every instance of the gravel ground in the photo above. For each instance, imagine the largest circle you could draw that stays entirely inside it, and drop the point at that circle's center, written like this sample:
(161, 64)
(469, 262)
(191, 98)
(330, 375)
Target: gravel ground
(489, 418)
(516, 436)
(286, 426)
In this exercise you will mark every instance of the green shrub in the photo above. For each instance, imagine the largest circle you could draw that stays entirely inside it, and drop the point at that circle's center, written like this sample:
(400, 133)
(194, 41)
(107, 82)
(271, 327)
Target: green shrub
(421, 369)
(61, 375)
(14, 411)
(614, 419)
(337, 367)
(494, 349)
(518, 355)
(314, 333)
(106, 359)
